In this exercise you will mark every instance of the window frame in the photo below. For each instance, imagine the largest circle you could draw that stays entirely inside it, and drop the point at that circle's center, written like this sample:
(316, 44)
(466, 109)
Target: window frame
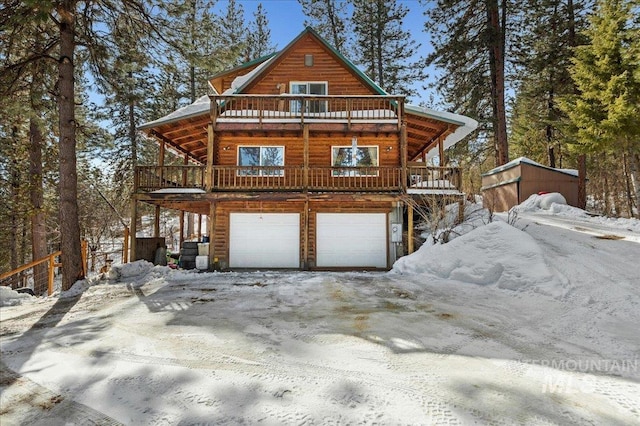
(355, 171)
(294, 105)
(260, 172)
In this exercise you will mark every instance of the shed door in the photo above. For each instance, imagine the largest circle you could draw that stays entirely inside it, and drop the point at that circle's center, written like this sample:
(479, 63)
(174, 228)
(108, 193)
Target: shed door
(264, 240)
(351, 240)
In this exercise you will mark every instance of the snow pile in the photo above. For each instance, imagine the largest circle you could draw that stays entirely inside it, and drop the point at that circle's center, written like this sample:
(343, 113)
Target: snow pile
(543, 201)
(128, 270)
(496, 254)
(10, 297)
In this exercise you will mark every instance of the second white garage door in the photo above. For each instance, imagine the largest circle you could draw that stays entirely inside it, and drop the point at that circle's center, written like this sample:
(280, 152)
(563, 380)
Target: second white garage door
(264, 240)
(351, 239)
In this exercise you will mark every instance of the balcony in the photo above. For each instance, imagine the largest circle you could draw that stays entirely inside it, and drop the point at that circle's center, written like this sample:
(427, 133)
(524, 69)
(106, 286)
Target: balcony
(349, 112)
(298, 179)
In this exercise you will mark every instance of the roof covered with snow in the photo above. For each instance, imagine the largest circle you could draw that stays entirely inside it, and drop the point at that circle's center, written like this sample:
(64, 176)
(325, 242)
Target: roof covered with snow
(524, 160)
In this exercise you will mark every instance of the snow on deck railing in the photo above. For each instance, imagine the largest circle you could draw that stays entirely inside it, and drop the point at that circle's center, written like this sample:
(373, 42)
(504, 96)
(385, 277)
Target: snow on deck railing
(310, 108)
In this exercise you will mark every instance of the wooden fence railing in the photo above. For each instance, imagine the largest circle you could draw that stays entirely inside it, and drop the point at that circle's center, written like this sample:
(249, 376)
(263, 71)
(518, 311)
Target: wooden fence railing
(51, 265)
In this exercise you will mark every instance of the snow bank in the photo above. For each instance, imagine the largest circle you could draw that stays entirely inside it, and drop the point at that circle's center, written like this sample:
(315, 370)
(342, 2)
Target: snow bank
(495, 254)
(10, 297)
(128, 270)
(545, 201)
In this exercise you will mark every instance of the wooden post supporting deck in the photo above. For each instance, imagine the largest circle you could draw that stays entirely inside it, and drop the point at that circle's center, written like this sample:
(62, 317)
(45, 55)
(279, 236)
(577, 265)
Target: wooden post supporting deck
(133, 229)
(409, 229)
(403, 155)
(211, 224)
(305, 236)
(156, 223)
(305, 167)
(125, 246)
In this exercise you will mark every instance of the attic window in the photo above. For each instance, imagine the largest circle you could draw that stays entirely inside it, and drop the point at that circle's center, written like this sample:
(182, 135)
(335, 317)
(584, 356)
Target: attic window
(308, 60)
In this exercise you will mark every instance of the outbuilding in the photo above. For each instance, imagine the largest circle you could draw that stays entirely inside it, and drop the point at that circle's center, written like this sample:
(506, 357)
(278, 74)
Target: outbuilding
(512, 183)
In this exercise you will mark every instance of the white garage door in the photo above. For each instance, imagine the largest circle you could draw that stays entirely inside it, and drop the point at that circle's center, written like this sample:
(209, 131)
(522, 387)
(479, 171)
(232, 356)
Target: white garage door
(264, 240)
(351, 239)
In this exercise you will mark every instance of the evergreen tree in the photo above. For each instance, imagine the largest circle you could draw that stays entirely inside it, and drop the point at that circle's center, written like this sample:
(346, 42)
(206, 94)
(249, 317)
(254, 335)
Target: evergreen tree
(329, 19)
(233, 48)
(470, 49)
(384, 48)
(259, 37)
(543, 55)
(604, 113)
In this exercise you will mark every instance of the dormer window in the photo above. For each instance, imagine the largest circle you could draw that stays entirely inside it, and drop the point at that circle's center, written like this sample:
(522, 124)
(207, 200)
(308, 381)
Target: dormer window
(308, 88)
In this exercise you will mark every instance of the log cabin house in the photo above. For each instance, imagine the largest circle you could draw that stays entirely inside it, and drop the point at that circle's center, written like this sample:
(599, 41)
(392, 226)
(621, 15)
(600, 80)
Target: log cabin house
(299, 161)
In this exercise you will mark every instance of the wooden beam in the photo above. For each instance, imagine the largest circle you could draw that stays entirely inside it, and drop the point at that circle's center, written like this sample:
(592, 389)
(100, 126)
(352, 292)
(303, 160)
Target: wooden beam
(208, 178)
(305, 167)
(305, 236)
(443, 161)
(181, 239)
(156, 223)
(403, 155)
(409, 228)
(133, 228)
(211, 224)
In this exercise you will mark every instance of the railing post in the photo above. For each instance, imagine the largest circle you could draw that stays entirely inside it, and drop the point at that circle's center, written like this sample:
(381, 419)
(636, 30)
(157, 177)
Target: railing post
(52, 265)
(84, 248)
(125, 246)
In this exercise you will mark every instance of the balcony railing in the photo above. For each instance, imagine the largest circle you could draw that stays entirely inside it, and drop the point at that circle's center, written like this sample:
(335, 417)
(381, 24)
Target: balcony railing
(296, 178)
(307, 108)
(152, 178)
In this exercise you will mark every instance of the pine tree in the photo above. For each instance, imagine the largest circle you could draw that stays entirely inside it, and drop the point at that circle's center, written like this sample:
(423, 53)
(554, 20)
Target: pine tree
(543, 55)
(259, 37)
(470, 49)
(385, 50)
(329, 19)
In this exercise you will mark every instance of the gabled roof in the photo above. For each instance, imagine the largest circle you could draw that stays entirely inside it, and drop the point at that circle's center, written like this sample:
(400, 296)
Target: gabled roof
(308, 30)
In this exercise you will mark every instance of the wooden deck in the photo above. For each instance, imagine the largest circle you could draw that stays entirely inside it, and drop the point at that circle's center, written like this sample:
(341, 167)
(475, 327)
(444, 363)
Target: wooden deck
(235, 110)
(297, 178)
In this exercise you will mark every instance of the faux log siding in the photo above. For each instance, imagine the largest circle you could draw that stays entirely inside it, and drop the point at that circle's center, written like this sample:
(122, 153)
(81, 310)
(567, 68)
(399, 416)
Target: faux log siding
(319, 148)
(326, 67)
(224, 209)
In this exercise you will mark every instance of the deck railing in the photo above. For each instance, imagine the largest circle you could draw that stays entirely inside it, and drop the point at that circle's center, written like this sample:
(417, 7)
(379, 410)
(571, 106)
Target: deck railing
(307, 108)
(355, 178)
(444, 178)
(296, 178)
(152, 178)
(252, 178)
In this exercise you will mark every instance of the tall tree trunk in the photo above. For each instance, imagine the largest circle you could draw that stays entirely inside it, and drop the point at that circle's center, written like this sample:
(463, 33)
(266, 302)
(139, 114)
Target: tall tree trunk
(38, 227)
(627, 184)
(68, 186)
(15, 188)
(582, 158)
(634, 171)
(496, 21)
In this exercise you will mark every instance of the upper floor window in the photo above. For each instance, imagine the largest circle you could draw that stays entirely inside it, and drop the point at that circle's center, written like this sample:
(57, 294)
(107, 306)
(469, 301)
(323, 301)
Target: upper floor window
(269, 157)
(364, 157)
(308, 88)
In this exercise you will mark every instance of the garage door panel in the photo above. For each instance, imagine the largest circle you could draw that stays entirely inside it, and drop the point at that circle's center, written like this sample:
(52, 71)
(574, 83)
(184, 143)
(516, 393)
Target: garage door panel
(267, 240)
(351, 240)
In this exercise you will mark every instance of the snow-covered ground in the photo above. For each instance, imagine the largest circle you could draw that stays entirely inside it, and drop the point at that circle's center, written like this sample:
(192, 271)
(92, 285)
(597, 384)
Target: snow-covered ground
(535, 323)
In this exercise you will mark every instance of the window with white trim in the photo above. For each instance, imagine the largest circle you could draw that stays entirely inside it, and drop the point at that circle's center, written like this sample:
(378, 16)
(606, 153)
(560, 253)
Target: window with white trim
(269, 157)
(344, 157)
(308, 88)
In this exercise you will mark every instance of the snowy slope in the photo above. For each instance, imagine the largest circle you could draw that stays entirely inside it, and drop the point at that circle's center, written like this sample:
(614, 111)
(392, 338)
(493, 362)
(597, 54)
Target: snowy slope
(531, 324)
